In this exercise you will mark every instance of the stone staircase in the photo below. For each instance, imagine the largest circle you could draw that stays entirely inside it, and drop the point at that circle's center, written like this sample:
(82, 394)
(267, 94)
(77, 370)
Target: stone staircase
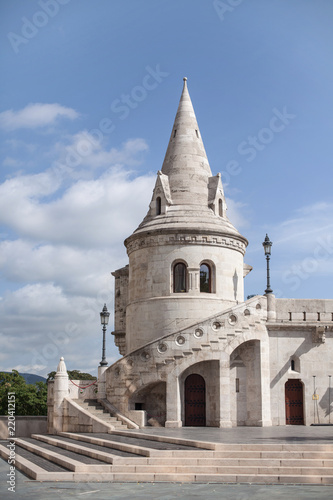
(213, 344)
(215, 333)
(129, 456)
(98, 410)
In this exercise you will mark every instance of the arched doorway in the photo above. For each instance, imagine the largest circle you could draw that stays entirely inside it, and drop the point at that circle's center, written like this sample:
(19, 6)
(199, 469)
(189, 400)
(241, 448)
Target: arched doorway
(195, 401)
(294, 402)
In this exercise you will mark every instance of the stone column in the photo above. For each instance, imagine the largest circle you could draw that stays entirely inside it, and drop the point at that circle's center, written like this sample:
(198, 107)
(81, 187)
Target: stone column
(193, 280)
(265, 393)
(60, 392)
(173, 404)
(101, 385)
(271, 309)
(224, 400)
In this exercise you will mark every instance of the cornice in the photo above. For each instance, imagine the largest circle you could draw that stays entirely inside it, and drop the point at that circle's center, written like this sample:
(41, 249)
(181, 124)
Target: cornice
(202, 238)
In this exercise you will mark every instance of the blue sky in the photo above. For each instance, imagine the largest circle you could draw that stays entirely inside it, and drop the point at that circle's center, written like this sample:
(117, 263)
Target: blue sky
(89, 91)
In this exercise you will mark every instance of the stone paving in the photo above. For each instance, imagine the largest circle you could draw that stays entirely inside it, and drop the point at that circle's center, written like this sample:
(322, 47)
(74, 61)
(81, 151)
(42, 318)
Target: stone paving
(292, 434)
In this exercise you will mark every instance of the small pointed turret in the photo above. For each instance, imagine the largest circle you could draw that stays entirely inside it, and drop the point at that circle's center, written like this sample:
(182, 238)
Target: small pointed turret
(185, 161)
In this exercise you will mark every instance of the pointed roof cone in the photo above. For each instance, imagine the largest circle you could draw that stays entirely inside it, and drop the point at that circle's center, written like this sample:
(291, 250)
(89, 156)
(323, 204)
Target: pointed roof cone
(185, 161)
(188, 193)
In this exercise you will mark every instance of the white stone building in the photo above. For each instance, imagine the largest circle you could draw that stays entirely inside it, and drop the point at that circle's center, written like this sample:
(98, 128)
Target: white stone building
(194, 352)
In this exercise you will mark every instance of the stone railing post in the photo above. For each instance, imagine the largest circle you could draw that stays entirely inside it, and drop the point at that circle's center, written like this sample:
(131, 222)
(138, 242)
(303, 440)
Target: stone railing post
(101, 385)
(60, 392)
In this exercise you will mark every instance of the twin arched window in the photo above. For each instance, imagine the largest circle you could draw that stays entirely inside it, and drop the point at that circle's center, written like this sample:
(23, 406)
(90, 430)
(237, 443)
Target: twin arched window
(180, 278)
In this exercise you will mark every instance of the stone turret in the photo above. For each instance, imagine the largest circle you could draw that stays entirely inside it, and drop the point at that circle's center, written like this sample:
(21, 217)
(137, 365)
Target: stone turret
(185, 258)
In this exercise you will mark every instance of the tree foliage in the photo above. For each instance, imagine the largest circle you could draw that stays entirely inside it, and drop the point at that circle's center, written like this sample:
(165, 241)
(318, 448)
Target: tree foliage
(30, 399)
(73, 375)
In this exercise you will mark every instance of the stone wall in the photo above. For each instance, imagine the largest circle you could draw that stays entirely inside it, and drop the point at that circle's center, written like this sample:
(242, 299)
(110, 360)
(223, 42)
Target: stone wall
(24, 426)
(310, 358)
(154, 310)
(76, 389)
(313, 310)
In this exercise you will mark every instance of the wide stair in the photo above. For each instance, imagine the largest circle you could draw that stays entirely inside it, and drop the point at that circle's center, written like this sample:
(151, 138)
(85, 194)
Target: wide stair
(98, 410)
(129, 456)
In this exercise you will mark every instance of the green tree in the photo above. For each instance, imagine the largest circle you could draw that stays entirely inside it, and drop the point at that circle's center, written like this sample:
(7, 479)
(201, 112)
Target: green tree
(30, 399)
(73, 375)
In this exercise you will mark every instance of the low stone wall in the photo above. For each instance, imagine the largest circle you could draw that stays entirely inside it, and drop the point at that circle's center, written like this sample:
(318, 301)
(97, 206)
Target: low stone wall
(24, 426)
(77, 419)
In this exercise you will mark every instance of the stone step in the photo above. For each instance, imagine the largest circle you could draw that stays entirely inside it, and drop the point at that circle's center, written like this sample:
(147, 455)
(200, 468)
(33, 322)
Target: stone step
(211, 462)
(58, 457)
(104, 456)
(205, 468)
(108, 443)
(99, 411)
(299, 447)
(231, 469)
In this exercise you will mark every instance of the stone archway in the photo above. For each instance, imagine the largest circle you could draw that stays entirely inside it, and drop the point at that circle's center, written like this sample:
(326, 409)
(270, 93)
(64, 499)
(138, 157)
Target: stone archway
(195, 400)
(294, 402)
(152, 399)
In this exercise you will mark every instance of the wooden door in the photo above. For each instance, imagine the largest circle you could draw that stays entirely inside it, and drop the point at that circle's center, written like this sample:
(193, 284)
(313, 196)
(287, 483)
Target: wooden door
(294, 402)
(195, 401)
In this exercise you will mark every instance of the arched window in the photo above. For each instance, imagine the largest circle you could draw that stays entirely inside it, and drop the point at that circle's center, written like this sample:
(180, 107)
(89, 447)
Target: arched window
(205, 278)
(179, 278)
(158, 205)
(220, 208)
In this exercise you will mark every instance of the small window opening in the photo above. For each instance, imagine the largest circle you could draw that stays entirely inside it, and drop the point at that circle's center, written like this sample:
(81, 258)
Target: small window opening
(237, 384)
(158, 205)
(205, 278)
(318, 316)
(174, 134)
(304, 316)
(332, 316)
(290, 316)
(139, 406)
(179, 278)
(220, 208)
(197, 134)
(292, 365)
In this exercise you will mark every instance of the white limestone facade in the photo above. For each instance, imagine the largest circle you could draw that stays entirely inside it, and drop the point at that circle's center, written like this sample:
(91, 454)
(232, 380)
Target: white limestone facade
(194, 352)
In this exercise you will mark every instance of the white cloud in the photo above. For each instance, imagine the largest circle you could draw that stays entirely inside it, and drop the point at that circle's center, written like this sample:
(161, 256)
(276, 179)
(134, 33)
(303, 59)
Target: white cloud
(66, 238)
(43, 323)
(308, 226)
(89, 213)
(35, 115)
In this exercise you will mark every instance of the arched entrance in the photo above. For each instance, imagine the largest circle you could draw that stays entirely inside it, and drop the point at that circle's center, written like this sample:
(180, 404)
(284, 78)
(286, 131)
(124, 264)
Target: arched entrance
(195, 400)
(294, 402)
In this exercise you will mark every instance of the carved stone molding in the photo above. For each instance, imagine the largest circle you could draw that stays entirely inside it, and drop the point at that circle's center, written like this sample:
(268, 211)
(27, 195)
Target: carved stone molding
(185, 239)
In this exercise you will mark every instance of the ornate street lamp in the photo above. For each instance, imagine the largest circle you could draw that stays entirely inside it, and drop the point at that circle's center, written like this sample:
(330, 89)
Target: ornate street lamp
(267, 244)
(104, 321)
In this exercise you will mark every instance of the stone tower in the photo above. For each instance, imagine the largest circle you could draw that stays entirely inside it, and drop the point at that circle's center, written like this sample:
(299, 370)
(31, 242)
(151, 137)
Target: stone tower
(185, 258)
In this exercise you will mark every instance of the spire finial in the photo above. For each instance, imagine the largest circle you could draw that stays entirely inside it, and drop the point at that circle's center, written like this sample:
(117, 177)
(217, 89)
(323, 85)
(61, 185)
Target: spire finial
(184, 78)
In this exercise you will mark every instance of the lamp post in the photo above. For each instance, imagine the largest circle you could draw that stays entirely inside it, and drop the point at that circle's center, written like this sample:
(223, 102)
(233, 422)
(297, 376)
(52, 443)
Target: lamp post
(267, 244)
(104, 321)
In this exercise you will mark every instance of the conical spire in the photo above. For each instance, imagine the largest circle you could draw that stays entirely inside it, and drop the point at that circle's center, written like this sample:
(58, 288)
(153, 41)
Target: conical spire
(185, 161)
